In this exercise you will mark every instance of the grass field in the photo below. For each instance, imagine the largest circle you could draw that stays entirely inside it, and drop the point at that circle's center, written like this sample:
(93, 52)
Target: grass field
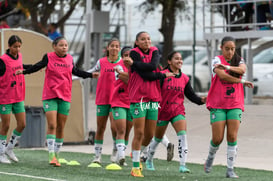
(34, 165)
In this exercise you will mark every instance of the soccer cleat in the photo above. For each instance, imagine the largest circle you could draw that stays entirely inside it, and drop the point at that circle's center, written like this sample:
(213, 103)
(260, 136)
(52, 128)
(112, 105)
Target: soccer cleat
(97, 160)
(231, 173)
(150, 165)
(140, 166)
(184, 169)
(208, 164)
(121, 162)
(113, 157)
(143, 159)
(51, 155)
(4, 159)
(11, 155)
(136, 172)
(55, 162)
(170, 149)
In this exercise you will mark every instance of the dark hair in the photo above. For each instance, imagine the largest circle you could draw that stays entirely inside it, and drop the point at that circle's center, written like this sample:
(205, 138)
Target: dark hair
(13, 39)
(125, 49)
(108, 44)
(56, 40)
(169, 57)
(235, 60)
(227, 38)
(54, 25)
(137, 36)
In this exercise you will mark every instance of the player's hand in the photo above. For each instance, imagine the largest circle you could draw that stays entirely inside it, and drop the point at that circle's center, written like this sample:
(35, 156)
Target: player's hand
(127, 61)
(95, 74)
(249, 84)
(204, 99)
(169, 74)
(221, 66)
(18, 72)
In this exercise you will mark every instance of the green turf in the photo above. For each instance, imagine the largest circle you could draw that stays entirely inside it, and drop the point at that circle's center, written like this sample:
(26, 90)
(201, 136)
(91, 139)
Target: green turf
(35, 163)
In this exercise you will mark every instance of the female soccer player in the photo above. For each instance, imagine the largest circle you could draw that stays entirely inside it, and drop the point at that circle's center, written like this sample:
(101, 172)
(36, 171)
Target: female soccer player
(225, 102)
(12, 96)
(172, 110)
(57, 92)
(144, 95)
(104, 92)
(120, 104)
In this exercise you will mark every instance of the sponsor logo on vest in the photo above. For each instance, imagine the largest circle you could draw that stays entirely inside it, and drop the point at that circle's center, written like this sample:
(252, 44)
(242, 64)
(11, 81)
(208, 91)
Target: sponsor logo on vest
(175, 88)
(120, 90)
(64, 65)
(17, 67)
(108, 70)
(230, 90)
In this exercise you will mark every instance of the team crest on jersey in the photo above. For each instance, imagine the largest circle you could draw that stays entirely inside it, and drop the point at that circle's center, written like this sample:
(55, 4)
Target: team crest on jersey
(4, 109)
(116, 114)
(136, 112)
(213, 116)
(46, 106)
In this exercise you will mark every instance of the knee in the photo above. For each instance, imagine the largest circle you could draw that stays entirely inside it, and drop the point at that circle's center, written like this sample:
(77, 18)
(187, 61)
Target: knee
(121, 132)
(5, 128)
(59, 129)
(231, 138)
(21, 126)
(51, 127)
(139, 135)
(217, 141)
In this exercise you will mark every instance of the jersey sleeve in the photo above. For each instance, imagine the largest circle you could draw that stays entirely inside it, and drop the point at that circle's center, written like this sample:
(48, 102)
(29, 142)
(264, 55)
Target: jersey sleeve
(38, 66)
(2, 67)
(214, 61)
(81, 73)
(96, 68)
(141, 66)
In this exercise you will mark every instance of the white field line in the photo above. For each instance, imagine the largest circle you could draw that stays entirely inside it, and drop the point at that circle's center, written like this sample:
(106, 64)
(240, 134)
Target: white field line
(30, 176)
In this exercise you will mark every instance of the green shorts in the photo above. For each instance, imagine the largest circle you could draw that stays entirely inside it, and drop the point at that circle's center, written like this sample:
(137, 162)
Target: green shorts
(173, 120)
(103, 110)
(145, 109)
(58, 105)
(17, 107)
(121, 113)
(225, 114)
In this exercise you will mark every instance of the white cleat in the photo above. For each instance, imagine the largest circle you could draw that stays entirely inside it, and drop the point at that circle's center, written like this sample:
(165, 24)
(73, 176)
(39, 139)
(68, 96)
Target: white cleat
(4, 159)
(97, 160)
(11, 155)
(114, 156)
(231, 174)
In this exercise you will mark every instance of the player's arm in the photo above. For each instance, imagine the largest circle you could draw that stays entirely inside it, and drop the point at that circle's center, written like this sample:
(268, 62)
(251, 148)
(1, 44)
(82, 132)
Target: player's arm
(124, 76)
(141, 66)
(241, 69)
(192, 96)
(36, 67)
(81, 73)
(2, 67)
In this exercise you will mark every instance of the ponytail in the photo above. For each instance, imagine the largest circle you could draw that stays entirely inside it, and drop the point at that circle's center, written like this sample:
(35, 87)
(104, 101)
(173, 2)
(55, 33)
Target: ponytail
(235, 60)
